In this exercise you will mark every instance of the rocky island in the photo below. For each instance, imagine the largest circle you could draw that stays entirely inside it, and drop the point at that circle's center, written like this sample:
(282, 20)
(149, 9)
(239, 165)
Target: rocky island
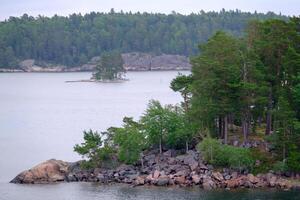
(167, 169)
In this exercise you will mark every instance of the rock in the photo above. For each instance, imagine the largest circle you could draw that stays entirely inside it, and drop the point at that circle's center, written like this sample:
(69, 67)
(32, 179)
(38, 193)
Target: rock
(169, 153)
(203, 167)
(218, 176)
(162, 181)
(208, 184)
(46, 172)
(283, 183)
(149, 178)
(171, 161)
(234, 175)
(156, 174)
(253, 179)
(139, 180)
(271, 179)
(227, 177)
(71, 178)
(143, 61)
(232, 183)
(196, 179)
(101, 178)
(180, 180)
(183, 173)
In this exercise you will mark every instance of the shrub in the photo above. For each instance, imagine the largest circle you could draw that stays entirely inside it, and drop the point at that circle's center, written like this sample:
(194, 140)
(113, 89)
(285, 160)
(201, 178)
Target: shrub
(129, 140)
(224, 155)
(266, 161)
(293, 161)
(210, 150)
(280, 166)
(93, 150)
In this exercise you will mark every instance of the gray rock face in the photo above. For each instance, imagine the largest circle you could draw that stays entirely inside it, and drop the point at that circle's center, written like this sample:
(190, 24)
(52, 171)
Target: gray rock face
(132, 62)
(146, 62)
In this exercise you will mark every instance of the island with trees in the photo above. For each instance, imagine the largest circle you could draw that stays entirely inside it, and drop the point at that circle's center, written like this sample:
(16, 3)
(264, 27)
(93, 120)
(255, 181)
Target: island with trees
(109, 68)
(238, 124)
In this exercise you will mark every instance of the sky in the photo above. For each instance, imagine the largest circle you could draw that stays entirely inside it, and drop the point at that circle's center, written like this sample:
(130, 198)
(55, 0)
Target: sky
(66, 7)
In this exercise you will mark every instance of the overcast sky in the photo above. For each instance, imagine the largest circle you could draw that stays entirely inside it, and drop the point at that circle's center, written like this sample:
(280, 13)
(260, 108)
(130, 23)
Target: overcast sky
(66, 7)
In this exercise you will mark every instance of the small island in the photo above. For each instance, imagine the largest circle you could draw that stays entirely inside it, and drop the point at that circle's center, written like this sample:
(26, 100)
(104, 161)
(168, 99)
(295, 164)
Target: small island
(109, 68)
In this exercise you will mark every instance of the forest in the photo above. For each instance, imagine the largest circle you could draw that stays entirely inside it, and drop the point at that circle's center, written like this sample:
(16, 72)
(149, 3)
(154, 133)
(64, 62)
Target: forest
(75, 39)
(241, 90)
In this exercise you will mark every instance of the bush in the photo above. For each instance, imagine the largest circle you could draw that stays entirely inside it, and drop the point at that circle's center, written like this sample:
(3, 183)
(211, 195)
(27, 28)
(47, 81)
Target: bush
(265, 161)
(293, 161)
(280, 166)
(93, 149)
(129, 140)
(210, 150)
(224, 155)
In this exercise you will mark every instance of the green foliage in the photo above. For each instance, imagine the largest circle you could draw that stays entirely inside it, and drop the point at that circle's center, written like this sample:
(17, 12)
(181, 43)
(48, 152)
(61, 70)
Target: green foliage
(254, 79)
(210, 149)
(293, 161)
(166, 126)
(110, 67)
(183, 83)
(130, 141)
(265, 160)
(92, 148)
(280, 166)
(224, 155)
(75, 39)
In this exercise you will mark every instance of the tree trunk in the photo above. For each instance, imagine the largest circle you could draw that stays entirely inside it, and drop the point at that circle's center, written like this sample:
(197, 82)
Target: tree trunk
(186, 146)
(269, 114)
(246, 126)
(225, 129)
(185, 102)
(160, 146)
(259, 121)
(244, 130)
(220, 127)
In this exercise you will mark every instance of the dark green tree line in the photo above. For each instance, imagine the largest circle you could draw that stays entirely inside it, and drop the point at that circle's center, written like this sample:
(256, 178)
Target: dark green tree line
(75, 39)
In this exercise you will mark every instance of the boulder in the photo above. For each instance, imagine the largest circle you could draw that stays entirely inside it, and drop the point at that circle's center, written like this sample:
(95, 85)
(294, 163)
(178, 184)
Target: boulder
(139, 180)
(162, 181)
(283, 183)
(253, 179)
(156, 174)
(196, 179)
(233, 183)
(218, 176)
(208, 184)
(180, 180)
(46, 172)
(271, 179)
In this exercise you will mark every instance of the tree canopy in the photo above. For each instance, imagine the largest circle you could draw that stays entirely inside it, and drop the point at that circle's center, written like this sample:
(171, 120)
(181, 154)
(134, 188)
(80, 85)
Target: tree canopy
(110, 67)
(74, 40)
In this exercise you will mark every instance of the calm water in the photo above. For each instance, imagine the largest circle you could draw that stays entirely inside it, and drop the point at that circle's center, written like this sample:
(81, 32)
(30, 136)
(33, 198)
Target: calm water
(42, 117)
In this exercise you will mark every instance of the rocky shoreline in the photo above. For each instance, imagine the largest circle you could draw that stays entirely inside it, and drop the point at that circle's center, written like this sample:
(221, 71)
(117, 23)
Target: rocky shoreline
(167, 169)
(134, 61)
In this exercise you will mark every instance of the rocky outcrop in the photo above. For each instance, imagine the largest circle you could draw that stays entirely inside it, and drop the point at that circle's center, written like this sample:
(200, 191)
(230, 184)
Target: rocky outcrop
(132, 62)
(46, 172)
(158, 169)
(147, 62)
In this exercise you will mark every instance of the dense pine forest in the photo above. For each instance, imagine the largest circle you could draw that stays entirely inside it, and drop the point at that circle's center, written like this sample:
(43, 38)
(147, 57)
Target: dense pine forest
(75, 39)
